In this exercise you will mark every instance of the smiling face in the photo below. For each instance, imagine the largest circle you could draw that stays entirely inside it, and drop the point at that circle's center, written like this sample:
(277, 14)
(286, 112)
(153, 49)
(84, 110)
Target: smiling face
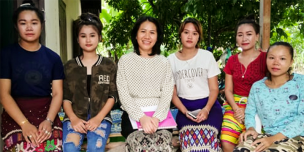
(88, 38)
(246, 37)
(146, 37)
(29, 26)
(189, 36)
(279, 60)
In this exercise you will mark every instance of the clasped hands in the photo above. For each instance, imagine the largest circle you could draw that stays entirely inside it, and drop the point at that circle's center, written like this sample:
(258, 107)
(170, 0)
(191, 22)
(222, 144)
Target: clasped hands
(36, 136)
(149, 124)
(239, 115)
(83, 126)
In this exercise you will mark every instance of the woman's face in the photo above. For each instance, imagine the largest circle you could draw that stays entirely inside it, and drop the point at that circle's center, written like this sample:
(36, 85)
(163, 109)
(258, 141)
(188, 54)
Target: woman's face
(189, 36)
(88, 38)
(246, 37)
(146, 36)
(278, 60)
(29, 26)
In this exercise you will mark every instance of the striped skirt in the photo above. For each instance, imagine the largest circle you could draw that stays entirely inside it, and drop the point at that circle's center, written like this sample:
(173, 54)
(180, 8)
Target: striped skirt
(231, 128)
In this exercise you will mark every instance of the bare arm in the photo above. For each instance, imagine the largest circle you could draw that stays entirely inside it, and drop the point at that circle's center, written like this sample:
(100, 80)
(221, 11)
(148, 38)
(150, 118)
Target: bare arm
(45, 127)
(214, 90)
(10, 106)
(68, 110)
(9, 103)
(180, 106)
(57, 93)
(176, 101)
(229, 91)
(239, 113)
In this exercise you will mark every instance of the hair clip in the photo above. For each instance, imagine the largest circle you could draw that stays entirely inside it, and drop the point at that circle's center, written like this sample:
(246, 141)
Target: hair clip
(25, 4)
(89, 18)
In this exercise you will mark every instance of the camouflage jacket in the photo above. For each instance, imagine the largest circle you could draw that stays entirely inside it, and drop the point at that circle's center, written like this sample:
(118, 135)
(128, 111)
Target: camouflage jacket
(103, 86)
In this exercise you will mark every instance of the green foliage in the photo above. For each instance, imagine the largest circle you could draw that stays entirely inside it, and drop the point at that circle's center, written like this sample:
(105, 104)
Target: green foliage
(218, 18)
(295, 37)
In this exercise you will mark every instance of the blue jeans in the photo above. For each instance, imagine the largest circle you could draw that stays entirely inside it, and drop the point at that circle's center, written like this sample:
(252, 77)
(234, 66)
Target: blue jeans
(97, 139)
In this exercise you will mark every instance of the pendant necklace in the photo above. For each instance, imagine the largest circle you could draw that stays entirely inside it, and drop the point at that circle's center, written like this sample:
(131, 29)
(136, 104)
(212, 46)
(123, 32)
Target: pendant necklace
(243, 74)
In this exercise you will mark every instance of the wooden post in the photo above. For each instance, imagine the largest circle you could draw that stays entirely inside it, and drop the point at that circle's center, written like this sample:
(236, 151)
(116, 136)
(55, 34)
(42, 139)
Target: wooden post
(265, 11)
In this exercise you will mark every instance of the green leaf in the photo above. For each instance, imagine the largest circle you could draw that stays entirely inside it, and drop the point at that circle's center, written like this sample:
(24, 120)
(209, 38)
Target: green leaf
(105, 15)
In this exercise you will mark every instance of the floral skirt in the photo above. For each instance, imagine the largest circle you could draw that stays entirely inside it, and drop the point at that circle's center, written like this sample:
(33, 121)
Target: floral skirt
(35, 110)
(295, 144)
(160, 141)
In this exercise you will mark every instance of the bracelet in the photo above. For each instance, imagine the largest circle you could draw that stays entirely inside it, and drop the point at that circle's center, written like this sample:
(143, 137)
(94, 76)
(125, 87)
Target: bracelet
(23, 122)
(48, 119)
(206, 110)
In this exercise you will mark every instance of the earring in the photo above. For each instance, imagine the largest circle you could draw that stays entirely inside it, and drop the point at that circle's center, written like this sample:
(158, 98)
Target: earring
(239, 48)
(257, 45)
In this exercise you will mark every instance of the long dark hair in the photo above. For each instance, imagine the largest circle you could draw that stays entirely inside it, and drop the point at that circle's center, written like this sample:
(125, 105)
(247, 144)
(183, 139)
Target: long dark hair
(160, 35)
(290, 48)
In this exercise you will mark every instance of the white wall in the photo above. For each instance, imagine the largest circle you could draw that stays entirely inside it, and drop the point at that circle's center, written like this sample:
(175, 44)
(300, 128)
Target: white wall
(52, 37)
(73, 10)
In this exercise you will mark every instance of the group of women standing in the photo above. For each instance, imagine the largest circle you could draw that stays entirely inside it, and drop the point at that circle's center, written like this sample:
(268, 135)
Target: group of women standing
(33, 83)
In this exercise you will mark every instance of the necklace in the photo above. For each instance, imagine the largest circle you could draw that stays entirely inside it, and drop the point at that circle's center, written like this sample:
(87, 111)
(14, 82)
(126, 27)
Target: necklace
(243, 74)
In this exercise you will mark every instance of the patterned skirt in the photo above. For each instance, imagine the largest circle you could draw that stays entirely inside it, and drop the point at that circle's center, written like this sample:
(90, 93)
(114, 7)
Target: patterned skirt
(295, 144)
(231, 128)
(35, 110)
(200, 137)
(160, 141)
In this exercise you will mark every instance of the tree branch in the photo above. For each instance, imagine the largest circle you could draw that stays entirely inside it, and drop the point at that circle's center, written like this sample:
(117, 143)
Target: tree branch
(151, 3)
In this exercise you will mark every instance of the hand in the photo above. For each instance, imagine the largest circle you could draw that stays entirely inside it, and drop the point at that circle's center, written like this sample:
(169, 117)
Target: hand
(155, 122)
(78, 125)
(263, 143)
(202, 115)
(146, 124)
(251, 131)
(239, 115)
(30, 133)
(45, 131)
(92, 124)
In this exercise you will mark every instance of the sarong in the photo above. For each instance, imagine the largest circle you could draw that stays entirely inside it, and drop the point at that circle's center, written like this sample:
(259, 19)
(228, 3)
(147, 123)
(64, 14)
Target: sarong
(35, 110)
(200, 137)
(231, 128)
(295, 144)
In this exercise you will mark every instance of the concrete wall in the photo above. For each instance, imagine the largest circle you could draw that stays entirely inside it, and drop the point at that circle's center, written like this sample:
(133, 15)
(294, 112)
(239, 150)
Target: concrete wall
(73, 10)
(52, 37)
